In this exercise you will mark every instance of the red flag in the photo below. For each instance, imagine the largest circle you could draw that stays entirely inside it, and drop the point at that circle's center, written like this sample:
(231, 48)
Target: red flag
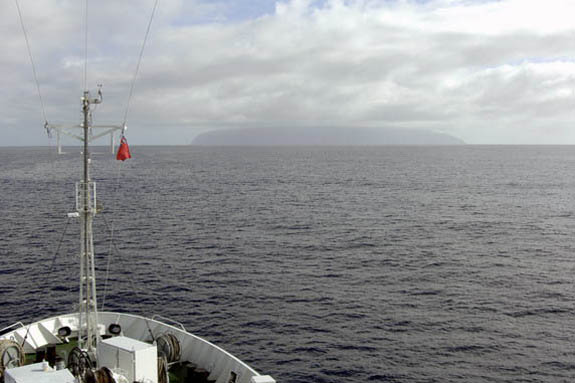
(123, 150)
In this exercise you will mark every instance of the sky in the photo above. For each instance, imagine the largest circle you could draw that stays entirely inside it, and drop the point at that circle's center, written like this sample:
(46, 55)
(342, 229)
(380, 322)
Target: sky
(485, 71)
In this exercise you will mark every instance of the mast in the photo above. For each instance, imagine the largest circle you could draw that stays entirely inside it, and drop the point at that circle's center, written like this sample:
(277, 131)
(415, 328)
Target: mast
(88, 335)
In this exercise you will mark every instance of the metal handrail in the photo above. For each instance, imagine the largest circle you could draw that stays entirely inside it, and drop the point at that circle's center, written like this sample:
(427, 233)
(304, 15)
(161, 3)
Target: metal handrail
(169, 320)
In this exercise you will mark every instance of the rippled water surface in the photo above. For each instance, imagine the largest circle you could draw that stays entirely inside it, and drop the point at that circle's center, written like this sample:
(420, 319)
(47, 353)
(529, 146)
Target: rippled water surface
(397, 264)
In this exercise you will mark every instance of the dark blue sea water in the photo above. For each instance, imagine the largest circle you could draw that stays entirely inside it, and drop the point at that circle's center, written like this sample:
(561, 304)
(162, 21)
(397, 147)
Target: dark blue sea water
(347, 264)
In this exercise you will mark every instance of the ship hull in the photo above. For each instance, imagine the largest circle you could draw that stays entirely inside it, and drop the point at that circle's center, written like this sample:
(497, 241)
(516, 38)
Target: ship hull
(218, 365)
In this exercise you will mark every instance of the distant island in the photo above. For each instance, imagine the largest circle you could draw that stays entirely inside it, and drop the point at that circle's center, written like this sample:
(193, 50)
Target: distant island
(324, 136)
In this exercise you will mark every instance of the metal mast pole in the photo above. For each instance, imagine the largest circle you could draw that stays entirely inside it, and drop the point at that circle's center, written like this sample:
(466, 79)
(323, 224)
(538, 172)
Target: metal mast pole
(88, 309)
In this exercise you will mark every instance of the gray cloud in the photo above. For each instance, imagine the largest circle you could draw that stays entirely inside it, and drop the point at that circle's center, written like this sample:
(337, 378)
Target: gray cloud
(462, 67)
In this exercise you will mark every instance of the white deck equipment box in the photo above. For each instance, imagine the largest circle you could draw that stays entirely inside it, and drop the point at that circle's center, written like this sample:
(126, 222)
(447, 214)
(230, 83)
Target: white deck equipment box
(37, 373)
(136, 360)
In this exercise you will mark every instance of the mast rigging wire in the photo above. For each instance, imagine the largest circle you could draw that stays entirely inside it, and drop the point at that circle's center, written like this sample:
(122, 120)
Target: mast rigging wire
(135, 290)
(111, 228)
(32, 62)
(139, 61)
(130, 95)
(59, 245)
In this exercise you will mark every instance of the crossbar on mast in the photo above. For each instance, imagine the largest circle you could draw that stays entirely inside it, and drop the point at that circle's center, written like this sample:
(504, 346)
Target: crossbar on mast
(75, 131)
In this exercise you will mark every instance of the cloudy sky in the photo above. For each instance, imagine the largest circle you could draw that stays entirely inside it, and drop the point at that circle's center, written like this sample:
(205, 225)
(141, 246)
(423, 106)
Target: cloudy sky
(488, 72)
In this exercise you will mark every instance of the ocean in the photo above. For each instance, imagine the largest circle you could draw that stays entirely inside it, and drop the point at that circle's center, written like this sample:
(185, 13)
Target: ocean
(316, 264)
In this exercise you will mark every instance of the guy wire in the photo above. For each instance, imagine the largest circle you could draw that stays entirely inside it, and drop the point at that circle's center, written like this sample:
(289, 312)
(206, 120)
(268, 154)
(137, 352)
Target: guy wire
(124, 266)
(31, 60)
(139, 61)
(111, 229)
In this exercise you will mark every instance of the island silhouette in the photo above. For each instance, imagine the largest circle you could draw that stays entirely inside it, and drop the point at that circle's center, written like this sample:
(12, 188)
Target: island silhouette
(336, 136)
